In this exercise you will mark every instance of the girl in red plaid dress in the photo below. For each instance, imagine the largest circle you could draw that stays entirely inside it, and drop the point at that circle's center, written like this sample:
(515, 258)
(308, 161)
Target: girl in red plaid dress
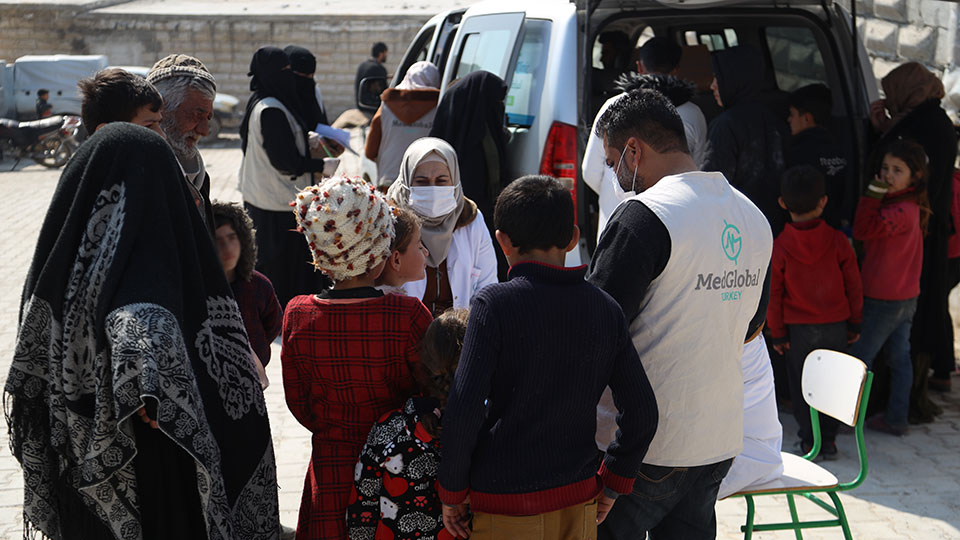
(349, 353)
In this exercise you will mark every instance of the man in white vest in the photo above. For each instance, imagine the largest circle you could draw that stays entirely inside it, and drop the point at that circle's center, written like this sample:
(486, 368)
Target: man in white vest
(685, 255)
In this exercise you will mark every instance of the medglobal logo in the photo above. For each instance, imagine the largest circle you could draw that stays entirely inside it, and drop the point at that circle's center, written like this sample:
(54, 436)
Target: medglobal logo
(724, 281)
(732, 241)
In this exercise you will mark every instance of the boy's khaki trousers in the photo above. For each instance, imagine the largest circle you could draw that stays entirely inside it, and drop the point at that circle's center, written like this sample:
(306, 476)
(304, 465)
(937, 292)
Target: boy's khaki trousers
(577, 522)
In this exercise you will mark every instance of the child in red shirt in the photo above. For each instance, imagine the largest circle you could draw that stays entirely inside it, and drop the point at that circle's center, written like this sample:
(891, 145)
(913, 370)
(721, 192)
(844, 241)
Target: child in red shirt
(890, 220)
(816, 299)
(349, 353)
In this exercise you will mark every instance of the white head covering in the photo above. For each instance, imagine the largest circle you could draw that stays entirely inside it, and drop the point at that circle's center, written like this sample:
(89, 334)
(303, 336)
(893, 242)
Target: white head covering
(420, 76)
(348, 226)
(437, 232)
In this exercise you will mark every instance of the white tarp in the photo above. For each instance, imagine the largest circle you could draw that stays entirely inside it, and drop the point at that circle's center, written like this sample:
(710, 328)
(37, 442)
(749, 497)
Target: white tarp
(57, 73)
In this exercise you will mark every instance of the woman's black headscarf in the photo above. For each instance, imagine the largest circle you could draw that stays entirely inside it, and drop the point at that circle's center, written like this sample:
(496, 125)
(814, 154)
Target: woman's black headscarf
(303, 61)
(470, 117)
(125, 306)
(270, 79)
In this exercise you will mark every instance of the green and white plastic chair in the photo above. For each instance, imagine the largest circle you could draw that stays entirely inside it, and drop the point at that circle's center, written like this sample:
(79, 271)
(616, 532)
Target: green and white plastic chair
(838, 385)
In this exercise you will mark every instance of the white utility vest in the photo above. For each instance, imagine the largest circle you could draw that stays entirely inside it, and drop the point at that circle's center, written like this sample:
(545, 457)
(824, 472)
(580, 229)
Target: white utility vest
(262, 185)
(694, 317)
(395, 138)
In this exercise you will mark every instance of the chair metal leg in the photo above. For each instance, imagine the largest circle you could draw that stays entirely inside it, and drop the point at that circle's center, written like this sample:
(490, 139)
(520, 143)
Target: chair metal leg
(793, 516)
(748, 528)
(842, 515)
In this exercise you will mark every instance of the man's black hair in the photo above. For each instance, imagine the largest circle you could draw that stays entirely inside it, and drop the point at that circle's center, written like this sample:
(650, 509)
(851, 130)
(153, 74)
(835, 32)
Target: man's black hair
(43, 91)
(801, 188)
(815, 99)
(647, 115)
(115, 95)
(660, 54)
(379, 47)
(536, 212)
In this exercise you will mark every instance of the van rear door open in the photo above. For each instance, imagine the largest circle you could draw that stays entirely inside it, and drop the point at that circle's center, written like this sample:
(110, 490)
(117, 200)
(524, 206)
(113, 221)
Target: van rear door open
(487, 43)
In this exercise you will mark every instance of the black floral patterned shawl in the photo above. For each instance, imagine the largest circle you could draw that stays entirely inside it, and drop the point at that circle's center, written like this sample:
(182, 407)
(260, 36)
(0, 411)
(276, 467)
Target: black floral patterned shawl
(125, 301)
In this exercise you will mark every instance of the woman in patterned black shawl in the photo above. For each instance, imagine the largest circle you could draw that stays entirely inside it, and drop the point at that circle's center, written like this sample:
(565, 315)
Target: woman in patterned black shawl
(126, 313)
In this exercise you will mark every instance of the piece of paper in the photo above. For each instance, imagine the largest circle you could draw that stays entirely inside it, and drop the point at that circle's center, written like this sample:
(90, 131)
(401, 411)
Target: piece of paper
(342, 136)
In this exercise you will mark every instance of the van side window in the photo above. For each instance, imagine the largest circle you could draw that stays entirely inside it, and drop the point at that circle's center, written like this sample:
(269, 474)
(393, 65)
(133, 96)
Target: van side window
(796, 57)
(484, 51)
(418, 51)
(523, 98)
(714, 40)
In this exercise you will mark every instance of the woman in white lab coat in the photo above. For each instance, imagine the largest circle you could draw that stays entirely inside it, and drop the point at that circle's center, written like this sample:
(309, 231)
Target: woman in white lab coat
(461, 260)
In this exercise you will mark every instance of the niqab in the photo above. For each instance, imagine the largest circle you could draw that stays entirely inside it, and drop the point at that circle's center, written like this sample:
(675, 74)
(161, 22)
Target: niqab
(303, 61)
(271, 77)
(436, 233)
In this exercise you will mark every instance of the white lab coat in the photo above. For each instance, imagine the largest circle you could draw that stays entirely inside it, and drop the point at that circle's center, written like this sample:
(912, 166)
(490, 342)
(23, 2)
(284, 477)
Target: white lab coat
(471, 264)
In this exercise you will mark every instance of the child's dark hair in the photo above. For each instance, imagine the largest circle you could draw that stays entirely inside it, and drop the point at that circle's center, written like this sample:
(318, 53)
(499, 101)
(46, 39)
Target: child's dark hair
(43, 92)
(115, 95)
(814, 99)
(439, 356)
(536, 212)
(405, 224)
(916, 160)
(801, 189)
(225, 213)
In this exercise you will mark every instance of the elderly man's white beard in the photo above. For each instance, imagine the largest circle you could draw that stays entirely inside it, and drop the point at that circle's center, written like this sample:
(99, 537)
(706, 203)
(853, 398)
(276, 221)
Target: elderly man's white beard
(186, 154)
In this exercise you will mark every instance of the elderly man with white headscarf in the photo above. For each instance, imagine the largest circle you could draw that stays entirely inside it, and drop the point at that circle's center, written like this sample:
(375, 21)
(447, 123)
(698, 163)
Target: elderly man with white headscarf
(406, 114)
(461, 259)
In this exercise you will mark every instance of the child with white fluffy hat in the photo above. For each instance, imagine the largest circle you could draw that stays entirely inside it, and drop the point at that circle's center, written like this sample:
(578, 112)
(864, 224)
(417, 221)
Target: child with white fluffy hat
(349, 353)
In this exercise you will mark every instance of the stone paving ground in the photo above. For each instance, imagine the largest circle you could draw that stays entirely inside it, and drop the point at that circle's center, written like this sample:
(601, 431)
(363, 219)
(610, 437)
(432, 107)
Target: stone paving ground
(912, 491)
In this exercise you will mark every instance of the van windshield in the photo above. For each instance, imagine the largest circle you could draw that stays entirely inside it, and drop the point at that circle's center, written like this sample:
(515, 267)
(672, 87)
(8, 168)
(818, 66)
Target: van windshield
(523, 98)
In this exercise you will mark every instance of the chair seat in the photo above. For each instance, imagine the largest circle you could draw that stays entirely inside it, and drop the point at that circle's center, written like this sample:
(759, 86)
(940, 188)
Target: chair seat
(798, 475)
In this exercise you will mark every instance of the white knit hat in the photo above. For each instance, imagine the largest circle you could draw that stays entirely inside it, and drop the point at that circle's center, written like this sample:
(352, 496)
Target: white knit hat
(348, 225)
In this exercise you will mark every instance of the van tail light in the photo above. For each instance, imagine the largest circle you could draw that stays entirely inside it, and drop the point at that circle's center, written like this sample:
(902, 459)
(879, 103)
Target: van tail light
(560, 157)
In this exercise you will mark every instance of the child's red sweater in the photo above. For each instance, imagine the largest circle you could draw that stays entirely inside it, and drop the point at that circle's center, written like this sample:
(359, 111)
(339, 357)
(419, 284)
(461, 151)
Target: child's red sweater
(893, 248)
(813, 278)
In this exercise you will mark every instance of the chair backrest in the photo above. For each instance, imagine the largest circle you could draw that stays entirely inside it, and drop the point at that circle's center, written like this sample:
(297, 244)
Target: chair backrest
(832, 383)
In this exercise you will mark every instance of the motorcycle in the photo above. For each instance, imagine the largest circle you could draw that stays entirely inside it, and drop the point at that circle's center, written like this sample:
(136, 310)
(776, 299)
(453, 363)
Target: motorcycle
(48, 141)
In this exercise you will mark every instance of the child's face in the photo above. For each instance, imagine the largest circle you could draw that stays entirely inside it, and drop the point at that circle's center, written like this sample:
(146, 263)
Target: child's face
(228, 245)
(798, 122)
(413, 262)
(148, 119)
(408, 266)
(894, 171)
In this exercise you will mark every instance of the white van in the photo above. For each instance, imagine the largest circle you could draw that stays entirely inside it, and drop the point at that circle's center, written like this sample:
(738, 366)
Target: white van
(546, 51)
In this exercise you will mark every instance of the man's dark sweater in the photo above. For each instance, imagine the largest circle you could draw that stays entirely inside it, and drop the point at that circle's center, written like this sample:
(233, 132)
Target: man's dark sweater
(520, 425)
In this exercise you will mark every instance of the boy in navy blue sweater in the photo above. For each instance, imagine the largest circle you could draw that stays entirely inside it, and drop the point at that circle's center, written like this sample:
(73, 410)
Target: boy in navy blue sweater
(518, 432)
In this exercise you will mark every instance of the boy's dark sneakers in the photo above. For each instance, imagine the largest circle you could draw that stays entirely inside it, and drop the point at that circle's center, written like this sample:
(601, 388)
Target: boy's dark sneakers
(828, 450)
(878, 423)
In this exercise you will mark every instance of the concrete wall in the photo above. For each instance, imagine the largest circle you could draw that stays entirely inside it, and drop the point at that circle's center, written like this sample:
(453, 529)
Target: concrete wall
(897, 31)
(224, 43)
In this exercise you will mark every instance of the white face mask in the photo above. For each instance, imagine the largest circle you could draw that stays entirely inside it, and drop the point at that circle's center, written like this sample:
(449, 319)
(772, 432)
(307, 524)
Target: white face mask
(618, 189)
(433, 201)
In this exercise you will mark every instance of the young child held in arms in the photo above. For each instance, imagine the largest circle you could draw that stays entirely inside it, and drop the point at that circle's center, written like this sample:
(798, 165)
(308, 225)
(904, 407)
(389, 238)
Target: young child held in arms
(408, 257)
(394, 493)
(519, 429)
(891, 221)
(816, 299)
(349, 353)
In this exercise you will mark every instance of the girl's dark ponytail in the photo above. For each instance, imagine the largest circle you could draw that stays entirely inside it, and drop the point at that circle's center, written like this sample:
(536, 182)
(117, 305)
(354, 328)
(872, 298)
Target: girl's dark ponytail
(439, 356)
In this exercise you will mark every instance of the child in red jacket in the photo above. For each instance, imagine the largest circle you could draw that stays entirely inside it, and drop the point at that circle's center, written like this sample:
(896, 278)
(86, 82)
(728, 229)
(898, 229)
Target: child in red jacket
(816, 299)
(891, 221)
